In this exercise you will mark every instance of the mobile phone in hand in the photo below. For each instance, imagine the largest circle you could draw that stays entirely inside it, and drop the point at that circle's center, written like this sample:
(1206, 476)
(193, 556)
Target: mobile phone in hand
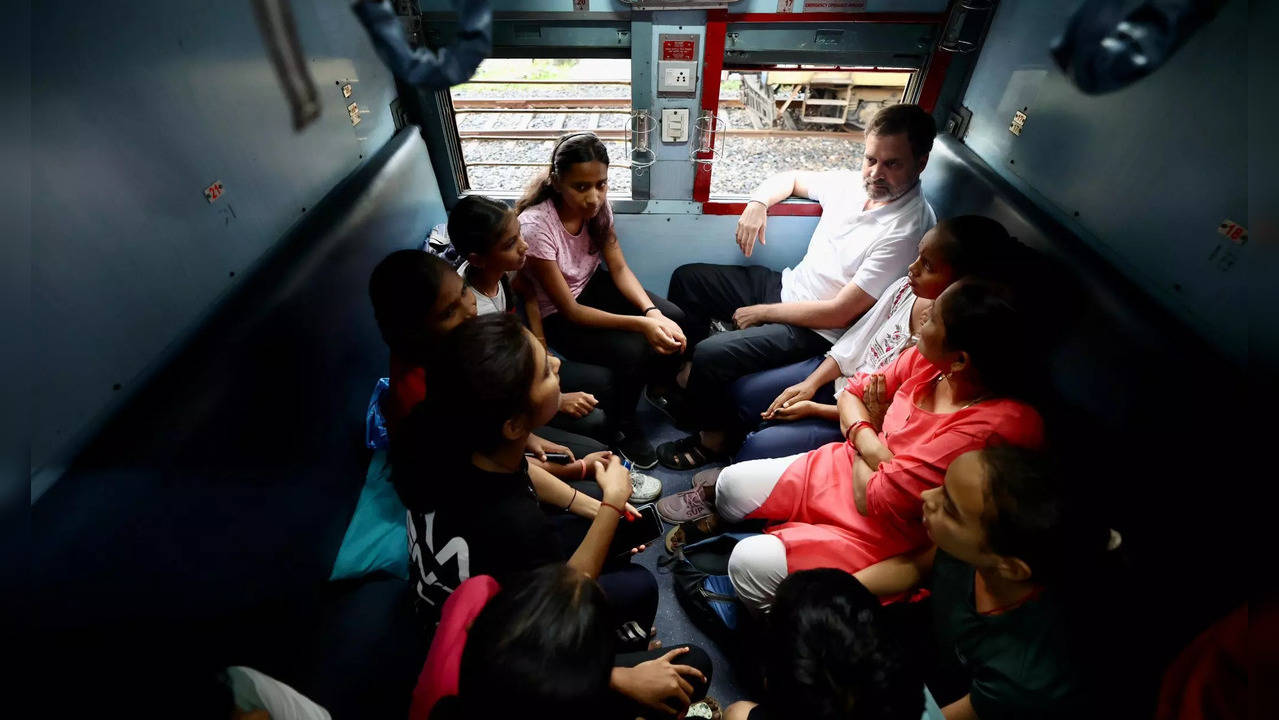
(643, 530)
(561, 458)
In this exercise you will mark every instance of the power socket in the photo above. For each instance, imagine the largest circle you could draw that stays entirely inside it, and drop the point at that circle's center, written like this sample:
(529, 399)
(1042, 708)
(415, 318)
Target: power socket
(678, 77)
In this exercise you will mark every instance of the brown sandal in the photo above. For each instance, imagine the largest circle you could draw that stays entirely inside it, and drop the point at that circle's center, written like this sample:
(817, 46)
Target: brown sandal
(691, 532)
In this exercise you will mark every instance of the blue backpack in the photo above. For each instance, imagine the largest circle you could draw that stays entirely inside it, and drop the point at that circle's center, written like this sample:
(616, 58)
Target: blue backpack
(700, 573)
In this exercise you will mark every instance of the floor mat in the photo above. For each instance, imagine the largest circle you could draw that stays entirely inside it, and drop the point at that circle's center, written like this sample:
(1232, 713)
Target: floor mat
(673, 626)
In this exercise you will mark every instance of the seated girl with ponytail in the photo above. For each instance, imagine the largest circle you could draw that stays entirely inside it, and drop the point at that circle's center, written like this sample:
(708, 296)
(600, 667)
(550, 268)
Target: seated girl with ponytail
(593, 315)
(1009, 545)
(418, 300)
(458, 464)
(487, 233)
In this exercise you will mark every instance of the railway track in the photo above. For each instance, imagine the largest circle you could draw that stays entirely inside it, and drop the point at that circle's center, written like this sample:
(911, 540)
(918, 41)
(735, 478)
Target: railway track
(567, 115)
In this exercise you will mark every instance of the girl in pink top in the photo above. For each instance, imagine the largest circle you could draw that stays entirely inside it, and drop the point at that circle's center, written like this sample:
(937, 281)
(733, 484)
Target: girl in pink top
(851, 504)
(590, 314)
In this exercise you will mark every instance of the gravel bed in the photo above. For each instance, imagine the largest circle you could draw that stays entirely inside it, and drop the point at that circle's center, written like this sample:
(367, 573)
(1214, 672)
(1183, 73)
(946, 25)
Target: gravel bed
(542, 91)
(538, 151)
(746, 162)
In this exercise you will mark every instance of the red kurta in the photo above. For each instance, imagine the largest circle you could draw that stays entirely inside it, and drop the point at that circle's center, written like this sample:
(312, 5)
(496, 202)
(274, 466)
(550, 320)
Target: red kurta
(812, 506)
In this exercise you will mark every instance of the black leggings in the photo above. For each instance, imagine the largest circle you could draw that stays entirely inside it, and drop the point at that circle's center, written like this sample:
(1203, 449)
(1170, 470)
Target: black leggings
(633, 361)
(598, 381)
(631, 589)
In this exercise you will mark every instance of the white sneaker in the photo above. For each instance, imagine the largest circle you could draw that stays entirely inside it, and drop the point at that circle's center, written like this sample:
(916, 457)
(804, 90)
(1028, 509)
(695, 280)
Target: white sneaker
(644, 488)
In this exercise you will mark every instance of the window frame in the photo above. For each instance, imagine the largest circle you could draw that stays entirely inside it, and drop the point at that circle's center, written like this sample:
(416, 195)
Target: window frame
(523, 35)
(925, 86)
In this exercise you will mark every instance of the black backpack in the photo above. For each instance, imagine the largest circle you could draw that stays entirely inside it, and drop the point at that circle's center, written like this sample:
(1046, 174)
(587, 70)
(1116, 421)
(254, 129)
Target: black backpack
(700, 573)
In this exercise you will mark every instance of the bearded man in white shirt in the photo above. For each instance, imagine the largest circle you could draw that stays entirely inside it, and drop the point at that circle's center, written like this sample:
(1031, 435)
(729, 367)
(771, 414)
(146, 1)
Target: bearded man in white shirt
(868, 234)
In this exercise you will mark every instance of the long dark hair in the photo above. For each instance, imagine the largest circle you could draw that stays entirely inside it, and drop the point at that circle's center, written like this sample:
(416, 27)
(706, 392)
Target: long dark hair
(830, 655)
(982, 319)
(978, 245)
(404, 288)
(569, 150)
(480, 375)
(542, 647)
(476, 223)
(1033, 514)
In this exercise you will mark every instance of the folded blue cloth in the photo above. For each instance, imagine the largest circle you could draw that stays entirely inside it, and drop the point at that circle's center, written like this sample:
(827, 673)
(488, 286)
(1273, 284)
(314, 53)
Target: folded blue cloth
(376, 539)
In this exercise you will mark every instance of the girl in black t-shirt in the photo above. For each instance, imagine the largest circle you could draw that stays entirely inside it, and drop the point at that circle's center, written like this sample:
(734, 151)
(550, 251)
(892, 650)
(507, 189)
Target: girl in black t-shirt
(458, 463)
(1009, 544)
(828, 654)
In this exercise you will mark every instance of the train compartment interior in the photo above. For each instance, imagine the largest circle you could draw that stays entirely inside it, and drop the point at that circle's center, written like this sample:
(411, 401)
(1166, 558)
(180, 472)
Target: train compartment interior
(206, 213)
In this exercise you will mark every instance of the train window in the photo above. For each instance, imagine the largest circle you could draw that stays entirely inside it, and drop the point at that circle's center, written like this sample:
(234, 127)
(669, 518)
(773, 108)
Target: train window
(805, 116)
(510, 113)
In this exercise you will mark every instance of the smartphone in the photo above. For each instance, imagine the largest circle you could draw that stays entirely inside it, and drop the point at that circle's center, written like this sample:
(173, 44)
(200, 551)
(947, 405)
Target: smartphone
(643, 530)
(561, 458)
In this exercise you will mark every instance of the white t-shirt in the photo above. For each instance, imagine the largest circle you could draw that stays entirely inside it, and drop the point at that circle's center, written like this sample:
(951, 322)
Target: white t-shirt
(869, 247)
(483, 303)
(253, 690)
(879, 336)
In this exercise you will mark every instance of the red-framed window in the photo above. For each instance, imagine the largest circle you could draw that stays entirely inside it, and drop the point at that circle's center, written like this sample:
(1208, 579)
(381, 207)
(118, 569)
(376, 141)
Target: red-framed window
(716, 28)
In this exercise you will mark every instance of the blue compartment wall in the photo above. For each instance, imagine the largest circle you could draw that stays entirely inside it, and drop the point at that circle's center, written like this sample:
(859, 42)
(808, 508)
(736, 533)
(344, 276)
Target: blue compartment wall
(657, 243)
(1143, 175)
(134, 115)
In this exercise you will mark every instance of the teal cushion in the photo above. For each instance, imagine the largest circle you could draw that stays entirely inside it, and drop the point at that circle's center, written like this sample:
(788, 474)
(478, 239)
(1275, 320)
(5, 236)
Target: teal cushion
(376, 538)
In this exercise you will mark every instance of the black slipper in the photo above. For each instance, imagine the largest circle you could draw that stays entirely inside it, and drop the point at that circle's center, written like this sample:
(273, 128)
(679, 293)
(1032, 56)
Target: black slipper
(688, 454)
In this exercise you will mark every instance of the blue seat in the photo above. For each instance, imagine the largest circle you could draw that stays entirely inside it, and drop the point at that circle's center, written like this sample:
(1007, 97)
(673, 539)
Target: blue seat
(199, 528)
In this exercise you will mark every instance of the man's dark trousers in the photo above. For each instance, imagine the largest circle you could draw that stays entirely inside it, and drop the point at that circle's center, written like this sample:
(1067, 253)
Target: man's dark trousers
(707, 292)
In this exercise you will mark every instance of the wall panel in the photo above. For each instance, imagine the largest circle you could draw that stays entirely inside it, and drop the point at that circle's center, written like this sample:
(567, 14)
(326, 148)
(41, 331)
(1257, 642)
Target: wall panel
(137, 107)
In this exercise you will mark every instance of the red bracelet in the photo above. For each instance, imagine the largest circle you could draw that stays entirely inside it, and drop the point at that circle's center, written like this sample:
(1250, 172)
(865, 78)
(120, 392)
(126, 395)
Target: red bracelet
(583, 461)
(852, 429)
(614, 508)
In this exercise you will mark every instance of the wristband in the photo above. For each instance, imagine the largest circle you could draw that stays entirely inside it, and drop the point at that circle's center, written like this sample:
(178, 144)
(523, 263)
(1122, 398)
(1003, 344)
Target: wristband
(649, 309)
(583, 461)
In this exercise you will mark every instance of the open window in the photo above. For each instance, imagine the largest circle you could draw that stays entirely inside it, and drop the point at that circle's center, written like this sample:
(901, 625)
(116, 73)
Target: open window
(510, 113)
(798, 88)
(783, 117)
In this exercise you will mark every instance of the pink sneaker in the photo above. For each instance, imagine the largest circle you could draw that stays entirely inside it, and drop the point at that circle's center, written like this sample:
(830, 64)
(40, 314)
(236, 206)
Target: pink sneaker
(707, 479)
(687, 506)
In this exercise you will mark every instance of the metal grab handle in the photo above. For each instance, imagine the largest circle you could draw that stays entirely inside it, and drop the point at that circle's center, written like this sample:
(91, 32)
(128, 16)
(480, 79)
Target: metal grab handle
(640, 136)
(709, 133)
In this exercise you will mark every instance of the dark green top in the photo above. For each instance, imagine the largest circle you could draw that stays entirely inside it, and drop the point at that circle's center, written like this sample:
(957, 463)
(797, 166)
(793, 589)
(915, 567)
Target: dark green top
(1019, 661)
